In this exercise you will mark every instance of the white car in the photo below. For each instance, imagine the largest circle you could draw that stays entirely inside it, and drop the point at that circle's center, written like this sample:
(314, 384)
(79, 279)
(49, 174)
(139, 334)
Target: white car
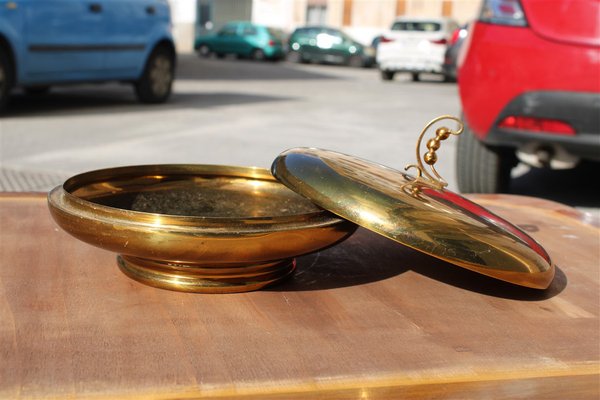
(414, 45)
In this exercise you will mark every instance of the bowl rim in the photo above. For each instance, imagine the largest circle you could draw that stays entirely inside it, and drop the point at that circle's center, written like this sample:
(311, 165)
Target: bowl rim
(62, 198)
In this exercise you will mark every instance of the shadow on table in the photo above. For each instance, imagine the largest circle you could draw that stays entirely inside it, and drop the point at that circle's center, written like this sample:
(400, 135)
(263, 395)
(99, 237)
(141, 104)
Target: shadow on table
(105, 99)
(363, 258)
(368, 257)
(462, 278)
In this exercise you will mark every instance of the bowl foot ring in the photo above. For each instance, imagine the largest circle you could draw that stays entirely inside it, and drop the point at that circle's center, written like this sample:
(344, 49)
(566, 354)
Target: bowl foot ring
(187, 277)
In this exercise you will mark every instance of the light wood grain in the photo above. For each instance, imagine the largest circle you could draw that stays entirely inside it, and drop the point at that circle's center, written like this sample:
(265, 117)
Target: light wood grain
(364, 319)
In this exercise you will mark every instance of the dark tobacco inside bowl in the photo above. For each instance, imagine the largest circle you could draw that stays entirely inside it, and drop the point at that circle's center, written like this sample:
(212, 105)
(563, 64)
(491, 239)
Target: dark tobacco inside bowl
(212, 198)
(216, 203)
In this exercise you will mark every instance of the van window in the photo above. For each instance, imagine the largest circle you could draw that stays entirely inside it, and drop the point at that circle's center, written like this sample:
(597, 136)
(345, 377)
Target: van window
(249, 30)
(228, 30)
(417, 26)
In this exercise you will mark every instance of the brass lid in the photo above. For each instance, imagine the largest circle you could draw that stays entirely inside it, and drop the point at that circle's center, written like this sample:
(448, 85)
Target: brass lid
(417, 212)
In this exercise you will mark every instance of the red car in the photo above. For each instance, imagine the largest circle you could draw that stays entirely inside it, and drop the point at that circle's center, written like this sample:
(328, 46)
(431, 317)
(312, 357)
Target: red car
(529, 83)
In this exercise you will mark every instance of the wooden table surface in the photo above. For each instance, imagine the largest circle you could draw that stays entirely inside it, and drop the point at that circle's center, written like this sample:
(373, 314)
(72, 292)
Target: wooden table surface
(365, 319)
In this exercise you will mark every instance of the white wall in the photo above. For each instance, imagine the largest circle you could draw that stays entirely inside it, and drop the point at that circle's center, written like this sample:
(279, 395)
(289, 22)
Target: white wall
(183, 11)
(183, 17)
(274, 13)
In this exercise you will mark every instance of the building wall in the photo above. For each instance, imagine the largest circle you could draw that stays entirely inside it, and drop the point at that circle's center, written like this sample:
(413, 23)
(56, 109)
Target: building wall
(424, 8)
(231, 10)
(298, 14)
(275, 13)
(335, 12)
(183, 16)
(369, 19)
(465, 10)
(378, 13)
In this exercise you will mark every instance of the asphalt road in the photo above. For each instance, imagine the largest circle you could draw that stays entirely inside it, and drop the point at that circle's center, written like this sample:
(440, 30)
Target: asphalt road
(243, 113)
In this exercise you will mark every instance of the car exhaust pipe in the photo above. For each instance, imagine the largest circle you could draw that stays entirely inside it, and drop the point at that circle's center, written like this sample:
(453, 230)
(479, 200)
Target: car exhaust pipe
(546, 156)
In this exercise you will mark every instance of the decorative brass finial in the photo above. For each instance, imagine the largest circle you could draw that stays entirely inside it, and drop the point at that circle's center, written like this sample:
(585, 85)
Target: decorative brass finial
(430, 157)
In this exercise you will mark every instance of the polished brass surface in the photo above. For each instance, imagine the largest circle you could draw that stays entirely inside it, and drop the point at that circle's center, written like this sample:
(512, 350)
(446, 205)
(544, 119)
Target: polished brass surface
(195, 228)
(418, 213)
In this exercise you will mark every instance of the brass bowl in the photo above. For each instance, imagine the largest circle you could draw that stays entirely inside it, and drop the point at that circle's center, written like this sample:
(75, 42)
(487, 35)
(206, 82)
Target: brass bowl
(195, 228)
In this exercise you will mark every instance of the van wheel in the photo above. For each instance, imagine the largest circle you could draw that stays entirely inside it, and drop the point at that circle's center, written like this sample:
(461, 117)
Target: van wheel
(258, 55)
(294, 56)
(356, 62)
(5, 80)
(155, 84)
(482, 169)
(203, 50)
(387, 75)
(415, 77)
(449, 78)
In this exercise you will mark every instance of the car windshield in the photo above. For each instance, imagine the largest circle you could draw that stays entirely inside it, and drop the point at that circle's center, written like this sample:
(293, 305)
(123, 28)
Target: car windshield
(417, 26)
(249, 30)
(341, 34)
(308, 31)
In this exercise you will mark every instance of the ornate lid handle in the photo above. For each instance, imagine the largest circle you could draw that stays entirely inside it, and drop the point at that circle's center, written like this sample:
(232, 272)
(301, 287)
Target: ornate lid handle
(430, 157)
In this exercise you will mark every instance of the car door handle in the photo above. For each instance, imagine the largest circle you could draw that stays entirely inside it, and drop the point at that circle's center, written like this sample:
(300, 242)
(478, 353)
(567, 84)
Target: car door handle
(95, 7)
(150, 10)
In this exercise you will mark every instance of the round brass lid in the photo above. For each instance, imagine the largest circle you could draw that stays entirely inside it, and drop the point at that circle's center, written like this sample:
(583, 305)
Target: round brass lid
(416, 213)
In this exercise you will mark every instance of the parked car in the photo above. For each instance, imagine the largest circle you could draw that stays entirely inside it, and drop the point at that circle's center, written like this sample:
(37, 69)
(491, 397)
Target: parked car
(328, 45)
(530, 90)
(452, 51)
(375, 42)
(243, 39)
(49, 42)
(414, 45)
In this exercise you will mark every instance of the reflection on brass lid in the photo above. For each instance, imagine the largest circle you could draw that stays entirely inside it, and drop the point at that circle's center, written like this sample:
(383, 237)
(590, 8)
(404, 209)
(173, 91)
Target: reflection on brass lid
(417, 212)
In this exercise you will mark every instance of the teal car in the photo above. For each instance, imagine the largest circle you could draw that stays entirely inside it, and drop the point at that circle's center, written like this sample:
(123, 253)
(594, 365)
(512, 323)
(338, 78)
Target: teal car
(328, 45)
(243, 39)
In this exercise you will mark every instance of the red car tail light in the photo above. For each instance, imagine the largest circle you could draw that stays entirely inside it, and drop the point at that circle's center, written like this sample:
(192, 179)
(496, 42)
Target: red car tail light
(385, 40)
(439, 41)
(537, 125)
(503, 12)
(459, 33)
(455, 36)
